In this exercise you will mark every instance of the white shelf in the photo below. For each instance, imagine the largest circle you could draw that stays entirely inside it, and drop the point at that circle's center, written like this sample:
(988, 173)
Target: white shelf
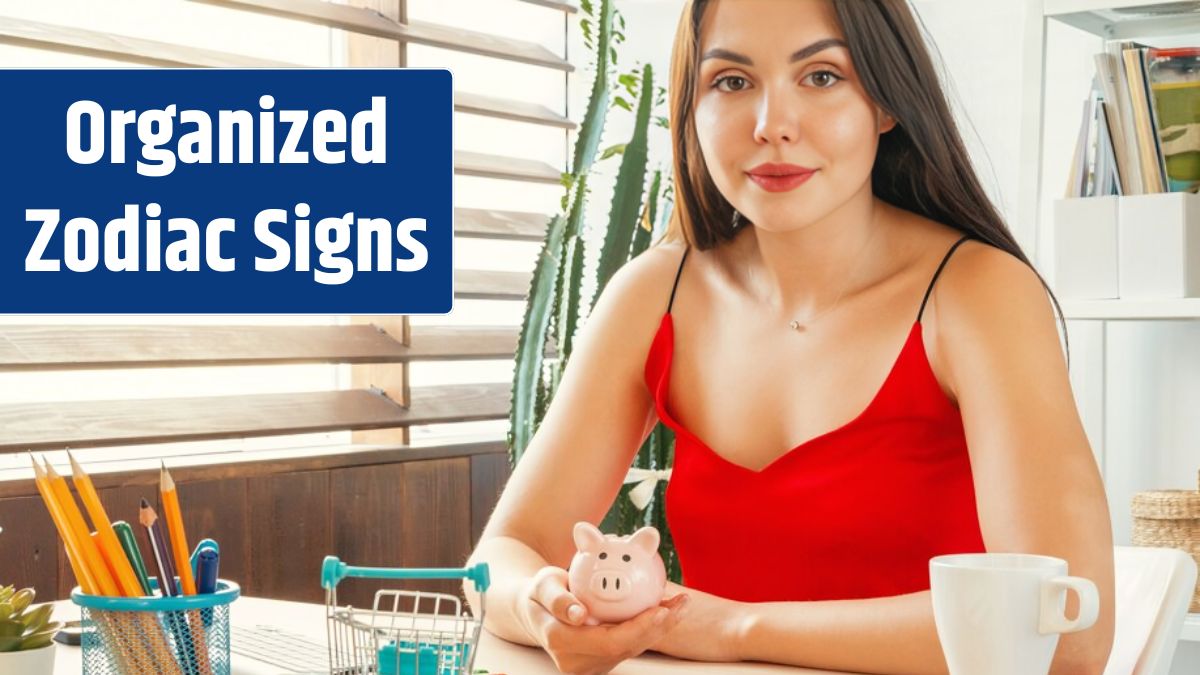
(1127, 19)
(1132, 310)
(1191, 628)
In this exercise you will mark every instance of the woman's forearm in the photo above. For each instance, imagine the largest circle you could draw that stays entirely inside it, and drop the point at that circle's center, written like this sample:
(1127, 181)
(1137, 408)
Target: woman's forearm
(891, 635)
(511, 564)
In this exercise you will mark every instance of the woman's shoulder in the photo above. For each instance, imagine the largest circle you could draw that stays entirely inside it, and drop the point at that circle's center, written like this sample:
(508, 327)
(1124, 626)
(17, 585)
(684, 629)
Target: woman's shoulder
(634, 301)
(989, 301)
(985, 278)
(643, 285)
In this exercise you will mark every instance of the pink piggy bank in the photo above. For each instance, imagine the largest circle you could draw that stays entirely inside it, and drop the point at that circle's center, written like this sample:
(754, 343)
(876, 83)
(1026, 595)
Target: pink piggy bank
(616, 578)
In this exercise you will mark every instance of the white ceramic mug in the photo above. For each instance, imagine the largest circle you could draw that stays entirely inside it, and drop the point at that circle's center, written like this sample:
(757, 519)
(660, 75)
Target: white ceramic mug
(1002, 613)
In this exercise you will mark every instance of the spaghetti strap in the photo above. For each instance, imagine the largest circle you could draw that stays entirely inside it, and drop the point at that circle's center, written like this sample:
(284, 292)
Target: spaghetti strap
(937, 273)
(677, 275)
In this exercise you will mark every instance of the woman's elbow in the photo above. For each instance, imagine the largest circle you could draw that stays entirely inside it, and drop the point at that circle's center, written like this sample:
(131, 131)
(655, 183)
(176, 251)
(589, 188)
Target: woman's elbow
(1087, 658)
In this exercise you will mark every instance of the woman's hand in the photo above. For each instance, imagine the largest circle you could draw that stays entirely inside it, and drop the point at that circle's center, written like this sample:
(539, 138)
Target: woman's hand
(713, 629)
(555, 618)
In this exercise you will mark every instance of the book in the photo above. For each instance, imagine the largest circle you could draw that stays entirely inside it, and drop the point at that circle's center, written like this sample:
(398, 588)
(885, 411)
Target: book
(1145, 135)
(1112, 79)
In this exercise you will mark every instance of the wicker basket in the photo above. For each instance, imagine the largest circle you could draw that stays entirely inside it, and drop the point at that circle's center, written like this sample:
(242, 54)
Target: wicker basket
(1171, 519)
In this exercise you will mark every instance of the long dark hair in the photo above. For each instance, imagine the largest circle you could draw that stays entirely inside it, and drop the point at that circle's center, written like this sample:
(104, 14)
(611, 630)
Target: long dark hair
(921, 164)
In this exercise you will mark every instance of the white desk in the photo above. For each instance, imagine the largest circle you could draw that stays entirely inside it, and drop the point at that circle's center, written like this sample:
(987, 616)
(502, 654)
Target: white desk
(495, 655)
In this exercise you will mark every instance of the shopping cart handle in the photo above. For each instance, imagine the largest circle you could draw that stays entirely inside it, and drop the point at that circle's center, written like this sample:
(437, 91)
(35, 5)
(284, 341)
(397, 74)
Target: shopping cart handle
(334, 570)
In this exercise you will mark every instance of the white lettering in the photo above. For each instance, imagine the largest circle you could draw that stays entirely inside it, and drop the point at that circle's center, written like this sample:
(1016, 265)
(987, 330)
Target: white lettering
(169, 136)
(376, 118)
(34, 261)
(262, 230)
(95, 115)
(329, 126)
(77, 262)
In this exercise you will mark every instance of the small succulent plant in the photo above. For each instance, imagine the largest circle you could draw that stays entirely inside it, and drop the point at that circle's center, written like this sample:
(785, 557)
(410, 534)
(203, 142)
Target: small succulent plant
(23, 626)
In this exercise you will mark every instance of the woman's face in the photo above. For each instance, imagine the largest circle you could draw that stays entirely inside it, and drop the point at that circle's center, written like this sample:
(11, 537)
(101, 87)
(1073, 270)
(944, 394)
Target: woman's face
(776, 85)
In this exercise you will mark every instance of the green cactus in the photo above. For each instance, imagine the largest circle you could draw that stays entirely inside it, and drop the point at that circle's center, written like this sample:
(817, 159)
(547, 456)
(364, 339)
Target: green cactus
(555, 303)
(529, 398)
(22, 626)
(627, 197)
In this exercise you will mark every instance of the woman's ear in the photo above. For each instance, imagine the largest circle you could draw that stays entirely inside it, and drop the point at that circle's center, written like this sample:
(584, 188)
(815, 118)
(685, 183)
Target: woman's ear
(884, 121)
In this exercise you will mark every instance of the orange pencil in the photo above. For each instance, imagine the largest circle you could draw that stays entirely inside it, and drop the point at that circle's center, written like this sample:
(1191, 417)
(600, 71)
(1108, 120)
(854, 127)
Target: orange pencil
(174, 522)
(82, 574)
(110, 546)
(105, 584)
(183, 564)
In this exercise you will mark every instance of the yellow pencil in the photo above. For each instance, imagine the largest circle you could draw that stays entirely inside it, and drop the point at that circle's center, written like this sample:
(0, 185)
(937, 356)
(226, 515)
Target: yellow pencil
(82, 574)
(106, 537)
(106, 585)
(183, 566)
(173, 518)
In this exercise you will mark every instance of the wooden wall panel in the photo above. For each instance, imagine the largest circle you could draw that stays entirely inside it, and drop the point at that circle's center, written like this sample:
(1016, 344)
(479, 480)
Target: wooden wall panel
(365, 503)
(275, 529)
(435, 517)
(289, 535)
(29, 547)
(489, 473)
(216, 509)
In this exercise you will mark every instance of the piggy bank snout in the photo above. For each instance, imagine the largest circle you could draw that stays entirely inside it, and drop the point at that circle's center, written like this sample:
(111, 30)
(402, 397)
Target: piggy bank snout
(610, 585)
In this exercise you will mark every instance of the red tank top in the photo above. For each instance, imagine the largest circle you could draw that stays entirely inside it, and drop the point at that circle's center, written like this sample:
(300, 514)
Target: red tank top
(856, 512)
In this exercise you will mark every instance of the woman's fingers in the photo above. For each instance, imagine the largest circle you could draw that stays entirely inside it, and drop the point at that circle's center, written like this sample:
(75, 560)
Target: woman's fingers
(615, 643)
(558, 619)
(646, 628)
(550, 591)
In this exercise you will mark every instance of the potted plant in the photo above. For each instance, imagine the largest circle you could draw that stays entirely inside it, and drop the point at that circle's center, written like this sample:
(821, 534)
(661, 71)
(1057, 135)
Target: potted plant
(639, 211)
(26, 633)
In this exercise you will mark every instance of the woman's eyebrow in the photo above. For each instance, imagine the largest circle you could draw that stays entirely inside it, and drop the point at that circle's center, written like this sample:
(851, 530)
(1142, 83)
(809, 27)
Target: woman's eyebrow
(800, 55)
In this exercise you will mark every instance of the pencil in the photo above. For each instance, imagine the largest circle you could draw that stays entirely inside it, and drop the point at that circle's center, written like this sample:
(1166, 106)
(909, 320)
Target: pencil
(162, 557)
(166, 580)
(174, 517)
(106, 585)
(82, 574)
(106, 537)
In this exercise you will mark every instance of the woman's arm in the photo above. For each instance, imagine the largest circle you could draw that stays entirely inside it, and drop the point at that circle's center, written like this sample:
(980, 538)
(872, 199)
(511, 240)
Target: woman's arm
(578, 457)
(1037, 490)
(893, 635)
(1037, 486)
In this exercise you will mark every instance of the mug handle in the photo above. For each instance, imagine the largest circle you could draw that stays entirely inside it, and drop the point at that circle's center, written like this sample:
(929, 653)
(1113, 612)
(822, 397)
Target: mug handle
(1054, 621)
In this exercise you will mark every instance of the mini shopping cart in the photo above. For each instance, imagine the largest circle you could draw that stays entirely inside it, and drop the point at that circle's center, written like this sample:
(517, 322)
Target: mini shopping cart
(404, 632)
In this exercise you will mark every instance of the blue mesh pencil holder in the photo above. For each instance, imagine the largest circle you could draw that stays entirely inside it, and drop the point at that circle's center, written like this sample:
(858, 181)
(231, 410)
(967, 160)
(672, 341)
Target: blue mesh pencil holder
(182, 635)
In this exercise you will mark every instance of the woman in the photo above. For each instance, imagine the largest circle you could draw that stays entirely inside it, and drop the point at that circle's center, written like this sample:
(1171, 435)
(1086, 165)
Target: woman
(769, 319)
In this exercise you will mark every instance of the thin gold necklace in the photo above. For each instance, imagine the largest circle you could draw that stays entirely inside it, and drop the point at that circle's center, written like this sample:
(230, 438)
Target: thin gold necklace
(799, 327)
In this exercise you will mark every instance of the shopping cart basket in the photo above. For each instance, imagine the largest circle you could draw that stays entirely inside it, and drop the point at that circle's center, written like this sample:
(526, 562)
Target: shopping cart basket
(405, 632)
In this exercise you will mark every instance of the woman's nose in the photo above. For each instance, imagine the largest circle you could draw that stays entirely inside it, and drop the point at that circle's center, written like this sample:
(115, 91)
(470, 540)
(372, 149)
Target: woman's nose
(777, 119)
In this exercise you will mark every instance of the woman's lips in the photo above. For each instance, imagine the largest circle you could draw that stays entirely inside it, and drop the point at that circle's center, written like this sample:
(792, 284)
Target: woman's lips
(780, 183)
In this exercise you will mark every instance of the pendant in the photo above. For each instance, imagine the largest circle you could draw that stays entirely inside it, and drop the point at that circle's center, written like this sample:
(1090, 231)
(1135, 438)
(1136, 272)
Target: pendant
(795, 325)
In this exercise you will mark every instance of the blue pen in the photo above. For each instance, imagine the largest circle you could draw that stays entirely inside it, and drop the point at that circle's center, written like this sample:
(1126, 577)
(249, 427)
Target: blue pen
(206, 570)
(205, 562)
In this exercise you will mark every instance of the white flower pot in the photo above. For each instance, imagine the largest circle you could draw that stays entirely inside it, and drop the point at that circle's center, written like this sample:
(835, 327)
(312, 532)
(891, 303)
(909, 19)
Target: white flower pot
(29, 662)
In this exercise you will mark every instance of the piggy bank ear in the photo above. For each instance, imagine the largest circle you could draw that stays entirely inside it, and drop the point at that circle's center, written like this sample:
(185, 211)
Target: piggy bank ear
(587, 537)
(646, 539)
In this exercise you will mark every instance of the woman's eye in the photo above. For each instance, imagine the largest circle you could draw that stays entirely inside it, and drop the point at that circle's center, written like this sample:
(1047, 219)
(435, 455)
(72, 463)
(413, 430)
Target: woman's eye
(730, 78)
(831, 77)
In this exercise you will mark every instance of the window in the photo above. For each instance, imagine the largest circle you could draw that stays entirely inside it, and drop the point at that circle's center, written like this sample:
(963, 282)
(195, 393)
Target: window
(154, 380)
